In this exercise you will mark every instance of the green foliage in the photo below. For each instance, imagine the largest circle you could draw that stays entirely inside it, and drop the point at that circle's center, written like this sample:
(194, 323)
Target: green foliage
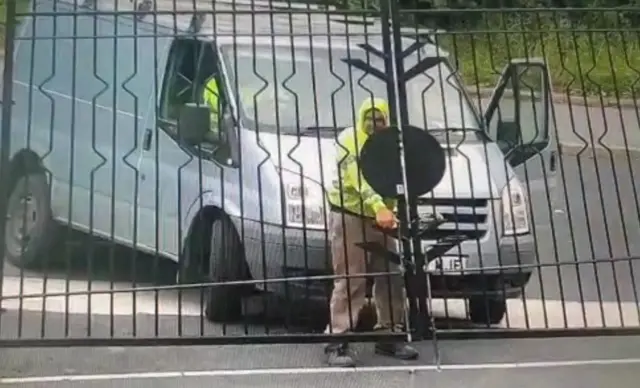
(588, 51)
(593, 54)
(21, 6)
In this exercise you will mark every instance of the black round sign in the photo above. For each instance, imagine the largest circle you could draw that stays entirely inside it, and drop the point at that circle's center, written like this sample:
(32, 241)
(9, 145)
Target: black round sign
(380, 161)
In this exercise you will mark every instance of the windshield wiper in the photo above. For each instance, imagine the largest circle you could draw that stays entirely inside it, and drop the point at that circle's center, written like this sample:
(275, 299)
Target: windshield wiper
(454, 129)
(454, 135)
(323, 130)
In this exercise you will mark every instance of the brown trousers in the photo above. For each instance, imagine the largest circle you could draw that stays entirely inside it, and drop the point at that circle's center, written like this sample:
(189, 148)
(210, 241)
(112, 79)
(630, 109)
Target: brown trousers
(348, 259)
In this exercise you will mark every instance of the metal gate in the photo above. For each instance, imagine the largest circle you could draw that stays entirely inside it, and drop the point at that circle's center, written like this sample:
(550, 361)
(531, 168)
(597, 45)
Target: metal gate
(168, 169)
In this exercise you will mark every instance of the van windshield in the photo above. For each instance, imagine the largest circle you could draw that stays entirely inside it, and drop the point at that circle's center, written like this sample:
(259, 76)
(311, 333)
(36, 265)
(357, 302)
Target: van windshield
(290, 90)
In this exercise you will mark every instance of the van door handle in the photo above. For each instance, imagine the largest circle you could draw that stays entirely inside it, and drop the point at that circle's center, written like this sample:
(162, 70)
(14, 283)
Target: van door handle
(552, 161)
(146, 142)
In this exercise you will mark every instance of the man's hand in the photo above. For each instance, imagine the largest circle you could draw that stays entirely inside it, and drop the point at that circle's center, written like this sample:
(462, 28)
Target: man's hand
(386, 219)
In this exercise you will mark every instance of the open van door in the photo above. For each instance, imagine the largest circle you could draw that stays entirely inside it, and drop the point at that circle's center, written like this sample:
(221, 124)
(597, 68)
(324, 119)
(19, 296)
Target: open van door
(518, 120)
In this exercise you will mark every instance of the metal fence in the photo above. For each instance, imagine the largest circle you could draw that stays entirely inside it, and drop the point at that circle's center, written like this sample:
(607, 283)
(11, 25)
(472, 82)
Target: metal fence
(180, 172)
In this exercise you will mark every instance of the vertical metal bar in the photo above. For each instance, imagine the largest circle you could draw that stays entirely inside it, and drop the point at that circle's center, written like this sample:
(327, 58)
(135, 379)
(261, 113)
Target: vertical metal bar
(415, 278)
(5, 131)
(72, 160)
(40, 85)
(389, 58)
(156, 162)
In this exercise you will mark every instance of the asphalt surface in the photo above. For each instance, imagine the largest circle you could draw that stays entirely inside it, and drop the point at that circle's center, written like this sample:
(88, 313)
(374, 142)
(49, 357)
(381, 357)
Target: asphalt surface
(585, 377)
(595, 215)
(590, 362)
(576, 125)
(605, 127)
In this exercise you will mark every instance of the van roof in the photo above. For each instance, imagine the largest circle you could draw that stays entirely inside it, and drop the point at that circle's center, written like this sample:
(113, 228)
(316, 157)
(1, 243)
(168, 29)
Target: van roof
(264, 22)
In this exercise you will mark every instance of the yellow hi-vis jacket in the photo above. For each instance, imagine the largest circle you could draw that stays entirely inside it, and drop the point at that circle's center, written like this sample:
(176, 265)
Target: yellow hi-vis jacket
(211, 98)
(349, 190)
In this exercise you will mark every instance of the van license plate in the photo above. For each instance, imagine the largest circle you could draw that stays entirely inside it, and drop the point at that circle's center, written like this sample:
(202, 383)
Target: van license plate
(447, 265)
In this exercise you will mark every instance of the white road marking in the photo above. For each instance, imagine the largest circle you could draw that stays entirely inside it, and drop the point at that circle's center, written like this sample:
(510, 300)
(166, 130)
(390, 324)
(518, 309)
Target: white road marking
(538, 313)
(101, 304)
(314, 371)
(531, 313)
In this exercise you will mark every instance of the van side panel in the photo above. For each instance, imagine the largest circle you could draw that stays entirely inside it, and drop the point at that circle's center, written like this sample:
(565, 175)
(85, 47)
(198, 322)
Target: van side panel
(80, 96)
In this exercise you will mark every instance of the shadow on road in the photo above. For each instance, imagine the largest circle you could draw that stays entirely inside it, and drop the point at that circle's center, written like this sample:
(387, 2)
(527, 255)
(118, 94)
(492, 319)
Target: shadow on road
(78, 256)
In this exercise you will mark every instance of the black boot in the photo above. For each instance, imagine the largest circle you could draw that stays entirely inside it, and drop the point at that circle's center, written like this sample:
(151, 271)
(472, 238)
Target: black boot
(338, 355)
(399, 350)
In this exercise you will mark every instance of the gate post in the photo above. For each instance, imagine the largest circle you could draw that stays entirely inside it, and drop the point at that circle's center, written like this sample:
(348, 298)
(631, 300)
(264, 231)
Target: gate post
(5, 130)
(416, 281)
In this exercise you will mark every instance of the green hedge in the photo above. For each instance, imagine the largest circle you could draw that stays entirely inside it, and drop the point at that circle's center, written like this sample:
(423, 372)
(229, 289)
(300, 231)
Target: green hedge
(21, 7)
(592, 51)
(582, 58)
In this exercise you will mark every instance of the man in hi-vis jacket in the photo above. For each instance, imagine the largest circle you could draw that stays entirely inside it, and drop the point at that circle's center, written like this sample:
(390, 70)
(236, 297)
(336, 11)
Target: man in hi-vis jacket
(211, 96)
(352, 193)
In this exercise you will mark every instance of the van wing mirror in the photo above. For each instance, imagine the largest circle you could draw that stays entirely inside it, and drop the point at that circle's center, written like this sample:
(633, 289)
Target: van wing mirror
(508, 134)
(517, 117)
(194, 122)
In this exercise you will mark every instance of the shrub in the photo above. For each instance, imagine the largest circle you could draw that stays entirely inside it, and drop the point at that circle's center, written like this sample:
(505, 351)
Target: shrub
(583, 56)
(589, 50)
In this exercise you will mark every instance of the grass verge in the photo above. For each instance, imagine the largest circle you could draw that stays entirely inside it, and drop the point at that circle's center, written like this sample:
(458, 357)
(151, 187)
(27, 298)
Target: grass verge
(21, 6)
(593, 56)
(591, 65)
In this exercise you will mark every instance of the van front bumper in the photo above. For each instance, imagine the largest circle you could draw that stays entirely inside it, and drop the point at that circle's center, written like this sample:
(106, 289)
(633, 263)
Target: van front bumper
(296, 264)
(499, 269)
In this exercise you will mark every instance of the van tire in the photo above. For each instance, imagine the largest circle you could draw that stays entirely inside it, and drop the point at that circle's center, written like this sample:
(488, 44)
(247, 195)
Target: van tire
(226, 263)
(487, 310)
(33, 188)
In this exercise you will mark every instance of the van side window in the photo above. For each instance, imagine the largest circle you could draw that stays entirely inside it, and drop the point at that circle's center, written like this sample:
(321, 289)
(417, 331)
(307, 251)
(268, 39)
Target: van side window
(191, 67)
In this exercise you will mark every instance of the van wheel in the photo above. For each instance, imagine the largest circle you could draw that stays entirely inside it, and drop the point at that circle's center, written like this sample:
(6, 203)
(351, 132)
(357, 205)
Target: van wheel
(487, 311)
(29, 226)
(226, 264)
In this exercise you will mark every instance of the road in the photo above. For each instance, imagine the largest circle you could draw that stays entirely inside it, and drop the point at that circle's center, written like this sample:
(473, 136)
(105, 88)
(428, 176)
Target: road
(595, 215)
(592, 218)
(584, 376)
(554, 363)
(606, 127)
(576, 125)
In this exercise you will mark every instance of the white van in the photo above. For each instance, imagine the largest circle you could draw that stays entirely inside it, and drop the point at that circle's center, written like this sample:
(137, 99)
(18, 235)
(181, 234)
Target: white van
(94, 128)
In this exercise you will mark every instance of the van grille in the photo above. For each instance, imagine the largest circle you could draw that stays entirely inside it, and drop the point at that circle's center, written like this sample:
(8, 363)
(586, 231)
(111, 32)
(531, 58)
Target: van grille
(466, 216)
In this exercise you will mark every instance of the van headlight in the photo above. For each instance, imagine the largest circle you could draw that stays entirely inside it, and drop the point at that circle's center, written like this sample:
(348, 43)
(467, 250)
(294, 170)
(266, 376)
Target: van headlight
(515, 219)
(297, 190)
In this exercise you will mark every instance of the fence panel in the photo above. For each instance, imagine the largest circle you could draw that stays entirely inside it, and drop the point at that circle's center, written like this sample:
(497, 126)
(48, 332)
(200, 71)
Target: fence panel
(171, 171)
(166, 175)
(575, 271)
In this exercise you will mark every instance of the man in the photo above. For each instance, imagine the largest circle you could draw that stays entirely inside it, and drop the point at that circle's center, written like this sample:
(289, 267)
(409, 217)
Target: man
(211, 96)
(249, 96)
(351, 193)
